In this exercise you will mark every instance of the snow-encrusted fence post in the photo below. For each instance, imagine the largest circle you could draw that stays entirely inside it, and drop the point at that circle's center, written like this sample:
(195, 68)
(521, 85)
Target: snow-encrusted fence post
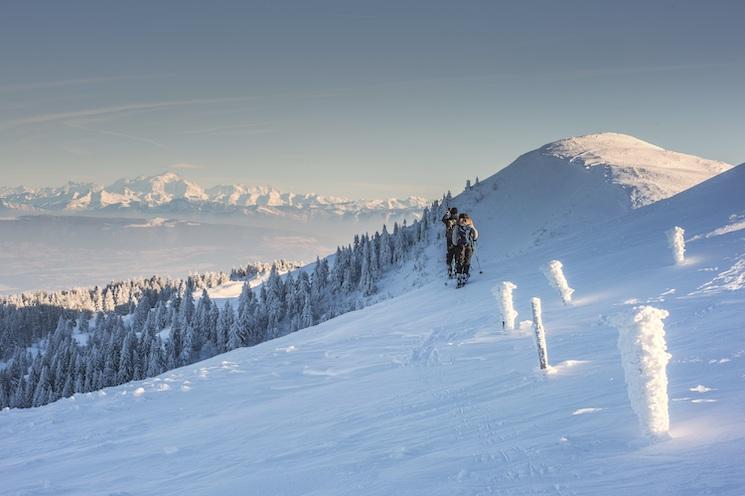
(503, 294)
(555, 274)
(677, 243)
(644, 356)
(540, 333)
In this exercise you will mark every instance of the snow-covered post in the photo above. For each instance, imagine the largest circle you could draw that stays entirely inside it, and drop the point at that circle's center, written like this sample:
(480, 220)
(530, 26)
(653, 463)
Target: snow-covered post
(677, 243)
(641, 341)
(555, 274)
(540, 333)
(503, 294)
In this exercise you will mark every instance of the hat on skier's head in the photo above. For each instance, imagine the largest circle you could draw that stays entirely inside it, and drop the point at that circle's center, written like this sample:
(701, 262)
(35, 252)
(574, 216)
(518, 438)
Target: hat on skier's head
(464, 217)
(453, 210)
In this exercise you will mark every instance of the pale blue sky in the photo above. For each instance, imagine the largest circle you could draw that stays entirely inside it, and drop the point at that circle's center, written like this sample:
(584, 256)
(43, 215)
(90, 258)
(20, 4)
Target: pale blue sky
(365, 99)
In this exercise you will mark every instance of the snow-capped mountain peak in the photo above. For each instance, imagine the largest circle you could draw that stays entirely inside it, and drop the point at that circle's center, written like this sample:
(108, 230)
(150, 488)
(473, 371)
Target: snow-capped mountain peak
(169, 194)
(571, 183)
(158, 190)
(648, 172)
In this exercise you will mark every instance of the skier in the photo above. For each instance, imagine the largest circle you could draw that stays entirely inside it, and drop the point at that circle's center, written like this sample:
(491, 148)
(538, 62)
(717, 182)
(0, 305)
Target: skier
(463, 238)
(450, 219)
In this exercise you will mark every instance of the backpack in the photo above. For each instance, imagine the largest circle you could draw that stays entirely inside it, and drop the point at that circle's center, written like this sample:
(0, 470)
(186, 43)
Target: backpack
(449, 226)
(463, 235)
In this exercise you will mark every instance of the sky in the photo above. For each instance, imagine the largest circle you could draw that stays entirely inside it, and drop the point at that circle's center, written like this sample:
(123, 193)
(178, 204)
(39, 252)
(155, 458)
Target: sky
(361, 99)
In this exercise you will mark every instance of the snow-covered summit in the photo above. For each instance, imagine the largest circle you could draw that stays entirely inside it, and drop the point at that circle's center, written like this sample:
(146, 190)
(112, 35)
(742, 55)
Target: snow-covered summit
(570, 184)
(648, 172)
(160, 189)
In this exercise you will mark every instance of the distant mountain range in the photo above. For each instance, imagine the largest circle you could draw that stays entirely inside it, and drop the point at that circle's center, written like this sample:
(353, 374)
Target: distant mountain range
(169, 194)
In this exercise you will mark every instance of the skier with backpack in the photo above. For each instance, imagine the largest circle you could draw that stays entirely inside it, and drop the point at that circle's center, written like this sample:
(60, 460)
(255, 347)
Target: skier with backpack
(463, 238)
(450, 219)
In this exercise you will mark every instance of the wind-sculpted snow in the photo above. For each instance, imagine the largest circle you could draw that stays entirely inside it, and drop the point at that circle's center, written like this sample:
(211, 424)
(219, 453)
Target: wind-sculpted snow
(676, 240)
(641, 342)
(554, 272)
(503, 294)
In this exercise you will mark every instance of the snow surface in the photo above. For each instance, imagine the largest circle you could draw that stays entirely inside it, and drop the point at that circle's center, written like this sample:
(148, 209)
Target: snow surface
(423, 395)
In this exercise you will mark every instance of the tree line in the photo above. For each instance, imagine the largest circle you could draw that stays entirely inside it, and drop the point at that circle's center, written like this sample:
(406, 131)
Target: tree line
(58, 344)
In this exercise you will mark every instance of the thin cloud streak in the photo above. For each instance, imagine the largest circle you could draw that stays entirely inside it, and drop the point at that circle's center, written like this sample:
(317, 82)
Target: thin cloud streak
(220, 129)
(118, 134)
(61, 116)
(573, 74)
(74, 82)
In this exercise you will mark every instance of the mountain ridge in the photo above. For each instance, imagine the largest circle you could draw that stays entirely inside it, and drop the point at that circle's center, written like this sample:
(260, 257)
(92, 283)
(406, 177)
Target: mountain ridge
(170, 192)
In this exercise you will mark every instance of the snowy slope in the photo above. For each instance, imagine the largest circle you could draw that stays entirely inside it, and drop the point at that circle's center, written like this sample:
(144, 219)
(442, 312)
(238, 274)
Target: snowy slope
(575, 182)
(424, 395)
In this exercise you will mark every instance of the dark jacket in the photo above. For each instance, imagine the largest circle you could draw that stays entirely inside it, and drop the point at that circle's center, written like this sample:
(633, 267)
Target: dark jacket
(450, 223)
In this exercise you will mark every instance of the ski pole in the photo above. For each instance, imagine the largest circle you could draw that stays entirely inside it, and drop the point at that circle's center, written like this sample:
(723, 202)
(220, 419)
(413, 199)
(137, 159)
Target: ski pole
(476, 254)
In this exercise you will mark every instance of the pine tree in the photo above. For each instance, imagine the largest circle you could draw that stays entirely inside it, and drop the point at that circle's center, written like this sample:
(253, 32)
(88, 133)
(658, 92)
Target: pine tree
(186, 309)
(140, 314)
(244, 300)
(67, 390)
(224, 324)
(41, 392)
(175, 339)
(154, 358)
(367, 281)
(214, 317)
(108, 301)
(201, 324)
(187, 345)
(306, 318)
(348, 285)
(386, 256)
(234, 337)
(19, 397)
(126, 369)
